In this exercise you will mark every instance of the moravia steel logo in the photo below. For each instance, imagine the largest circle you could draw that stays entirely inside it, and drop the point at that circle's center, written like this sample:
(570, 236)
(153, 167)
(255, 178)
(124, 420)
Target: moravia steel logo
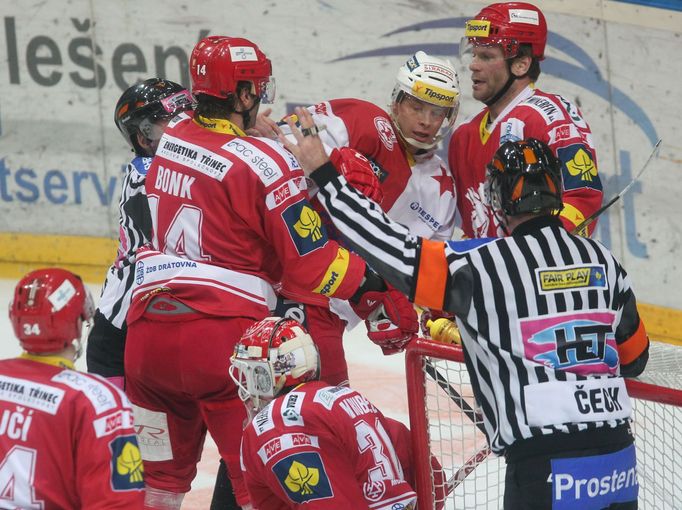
(578, 68)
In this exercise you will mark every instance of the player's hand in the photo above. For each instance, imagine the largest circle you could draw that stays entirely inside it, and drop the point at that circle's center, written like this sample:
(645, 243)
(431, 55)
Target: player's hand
(357, 170)
(390, 319)
(308, 149)
(265, 126)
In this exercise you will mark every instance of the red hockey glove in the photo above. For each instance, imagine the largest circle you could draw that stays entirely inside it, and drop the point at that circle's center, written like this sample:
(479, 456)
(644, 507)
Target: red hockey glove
(390, 319)
(357, 170)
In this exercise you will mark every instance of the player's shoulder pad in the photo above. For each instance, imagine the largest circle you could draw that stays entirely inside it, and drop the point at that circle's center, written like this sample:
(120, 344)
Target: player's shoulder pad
(141, 164)
(468, 119)
(357, 107)
(179, 118)
(467, 245)
(572, 111)
(328, 395)
(101, 394)
(267, 159)
(263, 421)
(546, 106)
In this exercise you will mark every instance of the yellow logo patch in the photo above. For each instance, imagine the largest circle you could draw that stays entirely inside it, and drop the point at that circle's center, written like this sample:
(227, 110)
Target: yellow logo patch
(477, 28)
(301, 478)
(582, 165)
(129, 463)
(308, 224)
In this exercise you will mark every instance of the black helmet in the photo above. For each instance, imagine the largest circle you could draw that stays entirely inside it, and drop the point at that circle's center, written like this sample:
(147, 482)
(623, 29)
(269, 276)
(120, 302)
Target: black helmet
(141, 105)
(524, 177)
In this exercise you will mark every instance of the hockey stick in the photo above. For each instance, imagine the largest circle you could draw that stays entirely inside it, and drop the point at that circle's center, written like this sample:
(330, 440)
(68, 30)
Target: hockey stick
(590, 219)
(453, 394)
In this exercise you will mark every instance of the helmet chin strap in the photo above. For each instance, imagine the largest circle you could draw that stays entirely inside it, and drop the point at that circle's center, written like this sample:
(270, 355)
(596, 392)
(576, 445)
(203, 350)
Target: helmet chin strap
(510, 81)
(426, 146)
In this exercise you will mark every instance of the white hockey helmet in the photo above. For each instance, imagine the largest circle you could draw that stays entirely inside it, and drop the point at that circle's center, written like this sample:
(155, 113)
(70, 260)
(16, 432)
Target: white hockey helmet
(434, 81)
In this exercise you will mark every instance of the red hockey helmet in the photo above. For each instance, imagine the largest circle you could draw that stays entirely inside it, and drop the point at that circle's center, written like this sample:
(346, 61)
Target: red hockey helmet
(218, 63)
(49, 309)
(509, 24)
(272, 355)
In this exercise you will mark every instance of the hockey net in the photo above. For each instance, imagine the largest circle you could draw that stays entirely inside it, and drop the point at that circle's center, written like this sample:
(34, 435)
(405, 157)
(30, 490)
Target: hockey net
(445, 422)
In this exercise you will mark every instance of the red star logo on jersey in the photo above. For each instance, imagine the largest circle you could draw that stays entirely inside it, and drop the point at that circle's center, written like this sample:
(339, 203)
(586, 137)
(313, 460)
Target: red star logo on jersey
(446, 182)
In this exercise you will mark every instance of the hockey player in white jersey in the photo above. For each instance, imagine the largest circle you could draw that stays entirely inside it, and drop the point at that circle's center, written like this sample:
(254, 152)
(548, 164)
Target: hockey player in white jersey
(142, 112)
(418, 191)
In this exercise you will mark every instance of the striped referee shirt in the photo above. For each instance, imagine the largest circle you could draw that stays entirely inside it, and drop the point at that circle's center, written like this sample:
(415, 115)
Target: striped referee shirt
(548, 320)
(135, 227)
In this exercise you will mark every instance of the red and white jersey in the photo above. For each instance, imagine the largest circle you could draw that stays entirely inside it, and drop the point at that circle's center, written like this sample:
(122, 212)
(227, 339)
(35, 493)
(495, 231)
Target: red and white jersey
(532, 114)
(326, 447)
(224, 199)
(66, 440)
(418, 191)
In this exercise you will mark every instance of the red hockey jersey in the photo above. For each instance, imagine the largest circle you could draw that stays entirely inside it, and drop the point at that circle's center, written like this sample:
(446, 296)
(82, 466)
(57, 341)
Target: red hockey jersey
(66, 440)
(418, 191)
(532, 114)
(321, 446)
(223, 199)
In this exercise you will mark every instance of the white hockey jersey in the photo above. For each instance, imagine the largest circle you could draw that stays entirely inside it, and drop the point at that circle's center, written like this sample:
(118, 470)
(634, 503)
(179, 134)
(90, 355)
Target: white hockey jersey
(419, 192)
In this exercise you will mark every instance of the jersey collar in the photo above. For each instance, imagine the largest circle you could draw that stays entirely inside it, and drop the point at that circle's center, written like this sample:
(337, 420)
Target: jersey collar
(535, 224)
(485, 130)
(219, 125)
(57, 361)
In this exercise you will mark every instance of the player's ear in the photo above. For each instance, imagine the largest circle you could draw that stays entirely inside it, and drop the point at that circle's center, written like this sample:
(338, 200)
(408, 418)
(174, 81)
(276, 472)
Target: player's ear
(521, 65)
(144, 142)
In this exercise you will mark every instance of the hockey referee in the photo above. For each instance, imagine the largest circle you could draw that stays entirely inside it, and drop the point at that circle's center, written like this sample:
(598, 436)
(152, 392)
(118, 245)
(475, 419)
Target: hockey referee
(548, 321)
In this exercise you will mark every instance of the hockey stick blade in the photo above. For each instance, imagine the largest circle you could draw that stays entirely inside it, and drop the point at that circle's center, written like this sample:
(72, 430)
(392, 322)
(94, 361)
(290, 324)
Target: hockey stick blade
(590, 219)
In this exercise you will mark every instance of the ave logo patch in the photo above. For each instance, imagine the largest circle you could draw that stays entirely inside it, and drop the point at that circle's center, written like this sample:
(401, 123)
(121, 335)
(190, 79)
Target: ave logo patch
(127, 471)
(305, 227)
(303, 477)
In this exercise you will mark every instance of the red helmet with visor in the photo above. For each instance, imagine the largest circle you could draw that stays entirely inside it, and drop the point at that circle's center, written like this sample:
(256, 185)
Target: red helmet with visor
(219, 63)
(508, 25)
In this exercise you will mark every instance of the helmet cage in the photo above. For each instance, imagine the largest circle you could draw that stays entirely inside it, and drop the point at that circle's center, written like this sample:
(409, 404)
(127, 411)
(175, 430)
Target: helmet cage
(524, 177)
(272, 355)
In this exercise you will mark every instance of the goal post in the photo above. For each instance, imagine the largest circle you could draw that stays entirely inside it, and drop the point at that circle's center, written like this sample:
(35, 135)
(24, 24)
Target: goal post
(445, 422)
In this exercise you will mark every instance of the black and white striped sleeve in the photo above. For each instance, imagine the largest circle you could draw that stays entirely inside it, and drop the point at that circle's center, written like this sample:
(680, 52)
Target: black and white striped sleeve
(387, 246)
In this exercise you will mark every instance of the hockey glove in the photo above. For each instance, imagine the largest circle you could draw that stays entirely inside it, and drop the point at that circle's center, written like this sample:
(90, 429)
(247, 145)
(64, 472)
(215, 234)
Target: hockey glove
(357, 170)
(390, 319)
